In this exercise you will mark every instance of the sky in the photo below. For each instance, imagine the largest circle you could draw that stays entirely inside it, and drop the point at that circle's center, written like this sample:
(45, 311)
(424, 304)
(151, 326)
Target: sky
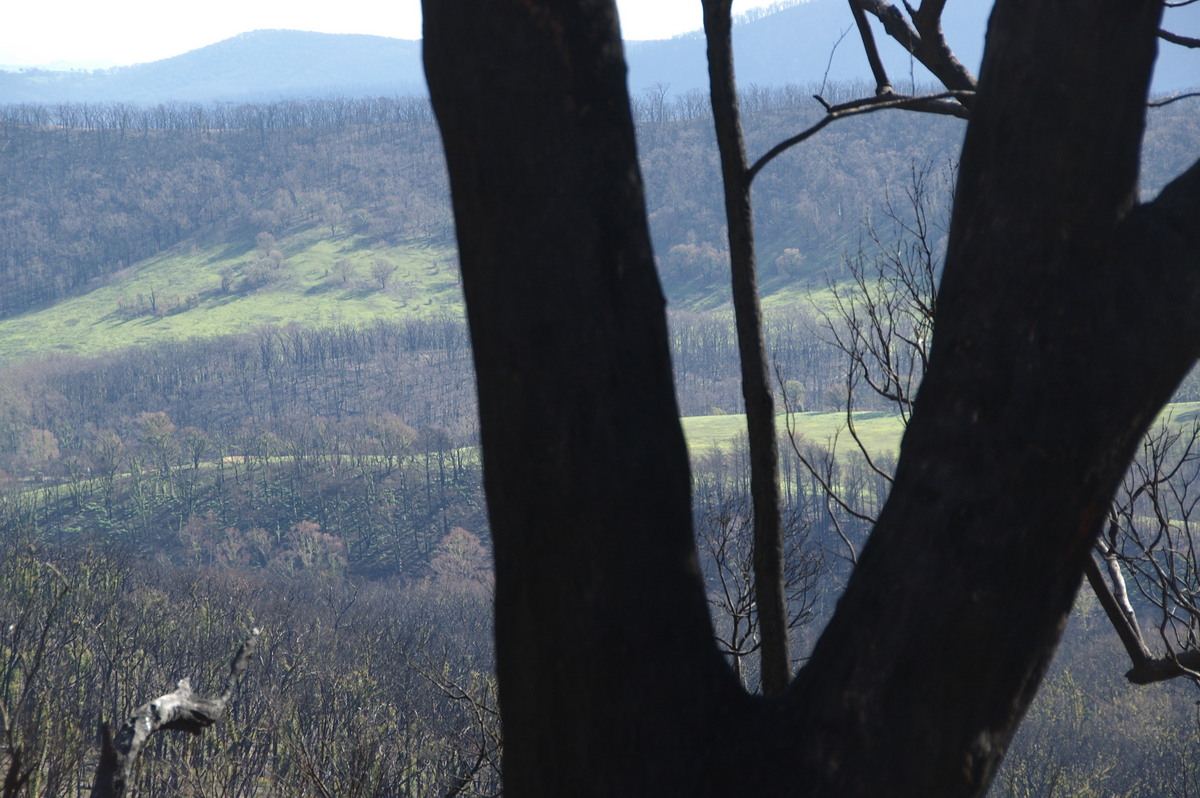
(54, 32)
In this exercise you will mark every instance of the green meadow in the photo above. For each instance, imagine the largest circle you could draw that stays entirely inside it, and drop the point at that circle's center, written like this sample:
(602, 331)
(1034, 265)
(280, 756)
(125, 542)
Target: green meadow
(879, 431)
(186, 289)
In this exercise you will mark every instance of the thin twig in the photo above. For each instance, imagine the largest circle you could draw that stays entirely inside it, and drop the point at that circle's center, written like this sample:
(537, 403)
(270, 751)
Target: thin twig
(931, 103)
(1168, 100)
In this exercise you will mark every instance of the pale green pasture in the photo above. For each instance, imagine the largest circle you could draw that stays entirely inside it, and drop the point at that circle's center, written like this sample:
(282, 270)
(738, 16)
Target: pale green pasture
(879, 431)
(304, 290)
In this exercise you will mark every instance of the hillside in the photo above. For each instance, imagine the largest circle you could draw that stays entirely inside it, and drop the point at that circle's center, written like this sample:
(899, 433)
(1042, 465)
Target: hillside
(257, 66)
(87, 192)
(90, 195)
(193, 292)
(237, 391)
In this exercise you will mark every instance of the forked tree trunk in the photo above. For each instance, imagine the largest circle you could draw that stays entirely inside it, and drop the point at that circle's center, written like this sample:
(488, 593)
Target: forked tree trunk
(1067, 316)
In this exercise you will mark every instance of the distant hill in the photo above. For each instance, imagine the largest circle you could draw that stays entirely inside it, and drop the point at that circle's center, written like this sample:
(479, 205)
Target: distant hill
(260, 66)
(802, 44)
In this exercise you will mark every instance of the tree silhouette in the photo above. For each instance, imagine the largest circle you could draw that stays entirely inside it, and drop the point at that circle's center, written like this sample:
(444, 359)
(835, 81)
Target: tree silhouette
(1056, 345)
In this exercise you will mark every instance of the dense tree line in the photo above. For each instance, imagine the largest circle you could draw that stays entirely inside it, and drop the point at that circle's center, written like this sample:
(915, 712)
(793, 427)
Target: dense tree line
(88, 190)
(367, 689)
(365, 432)
(418, 371)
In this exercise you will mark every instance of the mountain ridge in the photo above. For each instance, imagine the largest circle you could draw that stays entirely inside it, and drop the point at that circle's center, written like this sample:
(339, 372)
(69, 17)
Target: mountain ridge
(268, 65)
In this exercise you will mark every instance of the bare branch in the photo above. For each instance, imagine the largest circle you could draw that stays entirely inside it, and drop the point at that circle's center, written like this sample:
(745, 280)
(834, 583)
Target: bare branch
(925, 42)
(1175, 38)
(1168, 100)
(1185, 663)
(179, 710)
(770, 600)
(930, 103)
(882, 84)
(1130, 635)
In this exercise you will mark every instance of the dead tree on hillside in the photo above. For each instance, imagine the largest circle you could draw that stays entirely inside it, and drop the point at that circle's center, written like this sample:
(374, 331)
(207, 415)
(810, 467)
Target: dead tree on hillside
(178, 710)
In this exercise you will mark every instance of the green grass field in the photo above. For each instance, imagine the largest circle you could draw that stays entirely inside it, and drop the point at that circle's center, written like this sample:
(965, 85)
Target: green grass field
(305, 289)
(879, 431)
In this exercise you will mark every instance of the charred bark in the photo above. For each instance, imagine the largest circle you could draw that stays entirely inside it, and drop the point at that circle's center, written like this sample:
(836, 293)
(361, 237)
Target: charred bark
(600, 608)
(1057, 342)
(770, 601)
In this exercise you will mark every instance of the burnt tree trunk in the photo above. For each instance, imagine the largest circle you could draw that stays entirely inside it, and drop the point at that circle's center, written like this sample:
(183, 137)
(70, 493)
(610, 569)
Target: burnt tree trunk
(600, 606)
(769, 599)
(1067, 314)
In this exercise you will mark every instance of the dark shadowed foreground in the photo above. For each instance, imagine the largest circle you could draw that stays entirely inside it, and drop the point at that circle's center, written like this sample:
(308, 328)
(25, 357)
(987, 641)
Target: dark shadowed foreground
(1067, 315)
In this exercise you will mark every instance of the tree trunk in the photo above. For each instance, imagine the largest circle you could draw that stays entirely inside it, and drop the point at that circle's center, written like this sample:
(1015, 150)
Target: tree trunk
(600, 607)
(769, 599)
(1066, 316)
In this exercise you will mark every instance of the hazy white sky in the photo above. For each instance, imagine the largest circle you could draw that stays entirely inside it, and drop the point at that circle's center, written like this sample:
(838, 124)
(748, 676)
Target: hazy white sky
(42, 32)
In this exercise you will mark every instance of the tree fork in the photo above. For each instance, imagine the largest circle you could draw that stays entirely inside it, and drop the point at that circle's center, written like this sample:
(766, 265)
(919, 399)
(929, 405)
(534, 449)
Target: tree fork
(1056, 345)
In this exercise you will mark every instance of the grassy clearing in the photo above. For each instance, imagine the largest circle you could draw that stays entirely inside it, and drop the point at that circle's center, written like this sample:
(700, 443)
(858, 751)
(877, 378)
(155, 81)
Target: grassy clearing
(186, 287)
(879, 431)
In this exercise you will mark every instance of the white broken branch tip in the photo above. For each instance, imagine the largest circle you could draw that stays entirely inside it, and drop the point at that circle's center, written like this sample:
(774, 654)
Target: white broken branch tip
(179, 710)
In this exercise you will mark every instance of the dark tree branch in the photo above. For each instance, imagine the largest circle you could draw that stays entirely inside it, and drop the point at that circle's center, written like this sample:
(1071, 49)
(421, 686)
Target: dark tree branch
(1178, 205)
(932, 103)
(882, 84)
(1175, 38)
(18, 774)
(770, 599)
(1010, 349)
(925, 42)
(1169, 100)
(179, 710)
(596, 562)
(1161, 669)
